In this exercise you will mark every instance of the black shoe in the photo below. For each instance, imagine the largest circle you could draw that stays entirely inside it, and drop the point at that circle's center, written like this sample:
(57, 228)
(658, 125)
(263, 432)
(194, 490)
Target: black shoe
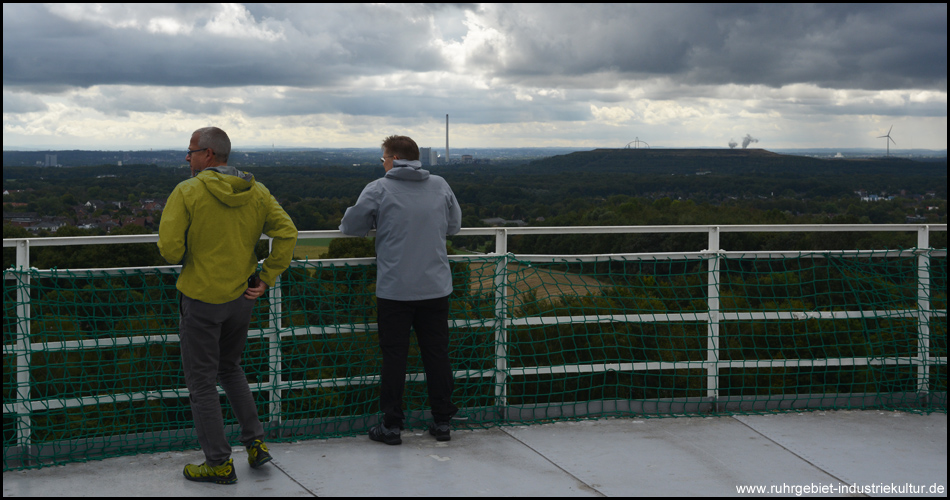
(384, 435)
(441, 432)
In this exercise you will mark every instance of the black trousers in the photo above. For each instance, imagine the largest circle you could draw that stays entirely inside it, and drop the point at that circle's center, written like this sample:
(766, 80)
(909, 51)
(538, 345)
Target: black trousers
(430, 319)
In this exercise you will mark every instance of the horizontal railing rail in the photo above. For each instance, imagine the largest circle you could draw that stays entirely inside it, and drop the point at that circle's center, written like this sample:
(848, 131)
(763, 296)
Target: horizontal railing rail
(506, 231)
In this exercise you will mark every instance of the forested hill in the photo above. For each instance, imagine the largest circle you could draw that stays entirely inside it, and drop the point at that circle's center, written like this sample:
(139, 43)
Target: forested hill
(730, 161)
(703, 175)
(316, 196)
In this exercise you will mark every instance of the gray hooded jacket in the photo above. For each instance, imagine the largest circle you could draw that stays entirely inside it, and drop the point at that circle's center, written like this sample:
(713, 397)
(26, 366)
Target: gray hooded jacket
(412, 212)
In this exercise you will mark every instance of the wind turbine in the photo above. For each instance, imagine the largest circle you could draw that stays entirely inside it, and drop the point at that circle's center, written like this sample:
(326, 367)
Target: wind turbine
(889, 140)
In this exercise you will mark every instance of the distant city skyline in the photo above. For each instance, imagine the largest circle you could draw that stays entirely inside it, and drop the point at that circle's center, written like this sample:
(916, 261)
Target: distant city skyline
(143, 76)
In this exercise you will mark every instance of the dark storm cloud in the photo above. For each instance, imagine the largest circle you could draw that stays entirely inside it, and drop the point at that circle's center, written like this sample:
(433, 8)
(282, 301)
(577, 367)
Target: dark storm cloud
(318, 45)
(839, 46)
(399, 104)
(867, 46)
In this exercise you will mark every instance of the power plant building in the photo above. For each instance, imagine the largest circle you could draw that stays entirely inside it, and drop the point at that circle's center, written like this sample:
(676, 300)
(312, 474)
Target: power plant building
(428, 157)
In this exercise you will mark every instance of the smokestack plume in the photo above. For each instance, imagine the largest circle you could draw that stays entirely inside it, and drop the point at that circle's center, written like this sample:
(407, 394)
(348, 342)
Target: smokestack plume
(748, 139)
(733, 144)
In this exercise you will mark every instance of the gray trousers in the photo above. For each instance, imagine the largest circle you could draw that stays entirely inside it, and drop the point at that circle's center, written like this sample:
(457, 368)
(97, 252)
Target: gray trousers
(212, 341)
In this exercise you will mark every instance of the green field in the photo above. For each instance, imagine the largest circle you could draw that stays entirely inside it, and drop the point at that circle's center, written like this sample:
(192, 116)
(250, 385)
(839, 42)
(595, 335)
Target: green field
(311, 248)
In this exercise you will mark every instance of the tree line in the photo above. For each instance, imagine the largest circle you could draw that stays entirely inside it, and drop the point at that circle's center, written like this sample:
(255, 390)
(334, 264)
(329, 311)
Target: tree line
(600, 187)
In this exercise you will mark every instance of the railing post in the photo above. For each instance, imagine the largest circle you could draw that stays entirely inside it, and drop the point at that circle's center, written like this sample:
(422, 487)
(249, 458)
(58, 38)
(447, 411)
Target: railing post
(501, 334)
(923, 311)
(24, 429)
(712, 298)
(273, 348)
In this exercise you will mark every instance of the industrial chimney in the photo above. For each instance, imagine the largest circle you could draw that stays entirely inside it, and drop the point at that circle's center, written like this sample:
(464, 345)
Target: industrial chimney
(446, 139)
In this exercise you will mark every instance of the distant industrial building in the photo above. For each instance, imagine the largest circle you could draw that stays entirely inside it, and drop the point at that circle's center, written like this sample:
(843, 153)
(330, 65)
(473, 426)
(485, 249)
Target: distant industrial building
(50, 161)
(428, 157)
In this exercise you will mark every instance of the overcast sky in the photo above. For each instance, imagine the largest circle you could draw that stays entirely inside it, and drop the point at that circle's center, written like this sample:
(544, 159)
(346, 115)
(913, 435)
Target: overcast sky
(133, 76)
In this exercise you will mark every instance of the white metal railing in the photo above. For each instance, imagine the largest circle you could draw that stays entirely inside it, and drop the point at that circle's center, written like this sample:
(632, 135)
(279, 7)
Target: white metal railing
(713, 253)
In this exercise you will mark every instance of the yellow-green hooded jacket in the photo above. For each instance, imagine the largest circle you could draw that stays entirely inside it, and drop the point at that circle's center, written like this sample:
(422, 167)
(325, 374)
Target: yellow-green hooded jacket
(210, 225)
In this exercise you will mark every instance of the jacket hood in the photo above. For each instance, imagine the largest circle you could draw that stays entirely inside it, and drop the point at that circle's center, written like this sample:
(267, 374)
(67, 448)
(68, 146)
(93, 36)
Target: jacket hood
(228, 184)
(404, 170)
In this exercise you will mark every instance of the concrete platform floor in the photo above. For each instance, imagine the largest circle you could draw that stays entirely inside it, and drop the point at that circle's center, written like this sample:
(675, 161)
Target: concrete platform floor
(837, 453)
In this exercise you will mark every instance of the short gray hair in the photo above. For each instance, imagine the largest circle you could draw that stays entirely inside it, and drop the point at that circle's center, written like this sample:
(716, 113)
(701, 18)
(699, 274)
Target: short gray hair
(217, 140)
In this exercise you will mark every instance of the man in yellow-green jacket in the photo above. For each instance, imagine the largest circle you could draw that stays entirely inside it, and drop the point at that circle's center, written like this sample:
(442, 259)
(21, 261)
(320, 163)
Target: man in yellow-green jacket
(210, 226)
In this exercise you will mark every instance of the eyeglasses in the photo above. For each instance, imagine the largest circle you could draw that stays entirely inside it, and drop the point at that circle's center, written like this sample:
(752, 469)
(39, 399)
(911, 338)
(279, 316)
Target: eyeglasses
(193, 151)
(383, 159)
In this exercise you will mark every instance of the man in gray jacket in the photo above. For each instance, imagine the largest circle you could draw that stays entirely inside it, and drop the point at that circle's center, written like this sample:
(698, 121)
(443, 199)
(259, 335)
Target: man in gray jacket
(413, 212)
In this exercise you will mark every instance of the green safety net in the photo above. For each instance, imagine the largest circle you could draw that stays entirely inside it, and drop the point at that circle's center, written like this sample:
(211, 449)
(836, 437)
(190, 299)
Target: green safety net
(532, 339)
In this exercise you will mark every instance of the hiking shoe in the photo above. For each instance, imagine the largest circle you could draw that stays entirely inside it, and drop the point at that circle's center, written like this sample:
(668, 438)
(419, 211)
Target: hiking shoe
(442, 432)
(220, 474)
(257, 454)
(383, 435)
